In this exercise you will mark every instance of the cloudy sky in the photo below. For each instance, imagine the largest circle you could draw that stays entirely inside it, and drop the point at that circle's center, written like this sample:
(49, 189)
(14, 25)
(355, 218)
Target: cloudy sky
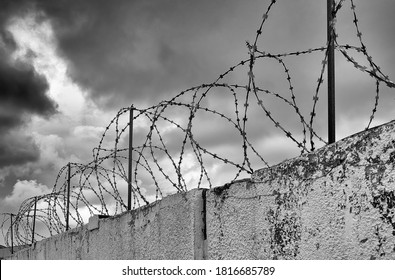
(67, 67)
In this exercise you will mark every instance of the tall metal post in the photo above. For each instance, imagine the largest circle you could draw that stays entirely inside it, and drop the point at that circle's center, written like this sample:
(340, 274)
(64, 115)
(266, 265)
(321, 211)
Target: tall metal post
(34, 218)
(130, 158)
(68, 197)
(331, 72)
(12, 235)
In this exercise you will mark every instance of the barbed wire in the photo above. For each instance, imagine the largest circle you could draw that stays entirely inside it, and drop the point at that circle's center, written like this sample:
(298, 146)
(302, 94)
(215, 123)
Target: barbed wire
(172, 155)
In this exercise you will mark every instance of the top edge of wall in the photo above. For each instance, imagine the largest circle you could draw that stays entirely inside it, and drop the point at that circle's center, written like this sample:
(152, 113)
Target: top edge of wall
(333, 149)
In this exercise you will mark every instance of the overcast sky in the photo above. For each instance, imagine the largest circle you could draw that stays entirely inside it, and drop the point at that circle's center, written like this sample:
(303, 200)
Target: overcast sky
(67, 66)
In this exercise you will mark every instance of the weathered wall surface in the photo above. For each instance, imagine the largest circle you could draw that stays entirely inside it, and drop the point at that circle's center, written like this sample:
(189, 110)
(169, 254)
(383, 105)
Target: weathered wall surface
(168, 229)
(5, 252)
(335, 203)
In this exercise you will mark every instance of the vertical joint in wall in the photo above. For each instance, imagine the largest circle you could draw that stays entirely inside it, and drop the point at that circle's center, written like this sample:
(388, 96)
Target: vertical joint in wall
(200, 238)
(204, 229)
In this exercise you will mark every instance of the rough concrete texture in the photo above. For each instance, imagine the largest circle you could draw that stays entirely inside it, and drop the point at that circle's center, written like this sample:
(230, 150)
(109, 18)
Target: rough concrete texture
(335, 203)
(172, 228)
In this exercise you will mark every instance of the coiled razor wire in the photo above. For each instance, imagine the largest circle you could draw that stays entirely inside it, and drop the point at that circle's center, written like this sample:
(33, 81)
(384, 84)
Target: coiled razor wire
(171, 155)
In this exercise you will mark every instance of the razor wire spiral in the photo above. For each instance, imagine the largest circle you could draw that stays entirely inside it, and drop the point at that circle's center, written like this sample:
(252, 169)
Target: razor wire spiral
(160, 165)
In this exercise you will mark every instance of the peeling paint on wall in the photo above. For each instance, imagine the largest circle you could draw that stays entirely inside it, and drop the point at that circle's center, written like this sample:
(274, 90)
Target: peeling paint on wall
(335, 203)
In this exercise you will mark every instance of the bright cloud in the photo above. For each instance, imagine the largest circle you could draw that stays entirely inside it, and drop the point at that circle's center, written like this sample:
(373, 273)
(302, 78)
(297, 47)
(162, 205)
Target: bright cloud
(25, 189)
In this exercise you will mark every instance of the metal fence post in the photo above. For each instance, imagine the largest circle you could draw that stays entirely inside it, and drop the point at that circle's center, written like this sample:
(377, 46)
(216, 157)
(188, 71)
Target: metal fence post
(34, 218)
(68, 197)
(331, 72)
(12, 235)
(130, 157)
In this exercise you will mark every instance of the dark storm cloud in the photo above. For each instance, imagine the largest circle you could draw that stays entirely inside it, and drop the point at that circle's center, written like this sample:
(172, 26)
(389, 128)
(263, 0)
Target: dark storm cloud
(128, 51)
(23, 93)
(14, 151)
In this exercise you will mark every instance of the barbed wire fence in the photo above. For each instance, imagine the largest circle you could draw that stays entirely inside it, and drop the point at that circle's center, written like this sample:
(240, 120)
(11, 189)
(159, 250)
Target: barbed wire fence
(171, 155)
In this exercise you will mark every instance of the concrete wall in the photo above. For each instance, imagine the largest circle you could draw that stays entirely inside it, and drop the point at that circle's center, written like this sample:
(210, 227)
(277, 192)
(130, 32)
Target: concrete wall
(335, 203)
(5, 252)
(168, 229)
